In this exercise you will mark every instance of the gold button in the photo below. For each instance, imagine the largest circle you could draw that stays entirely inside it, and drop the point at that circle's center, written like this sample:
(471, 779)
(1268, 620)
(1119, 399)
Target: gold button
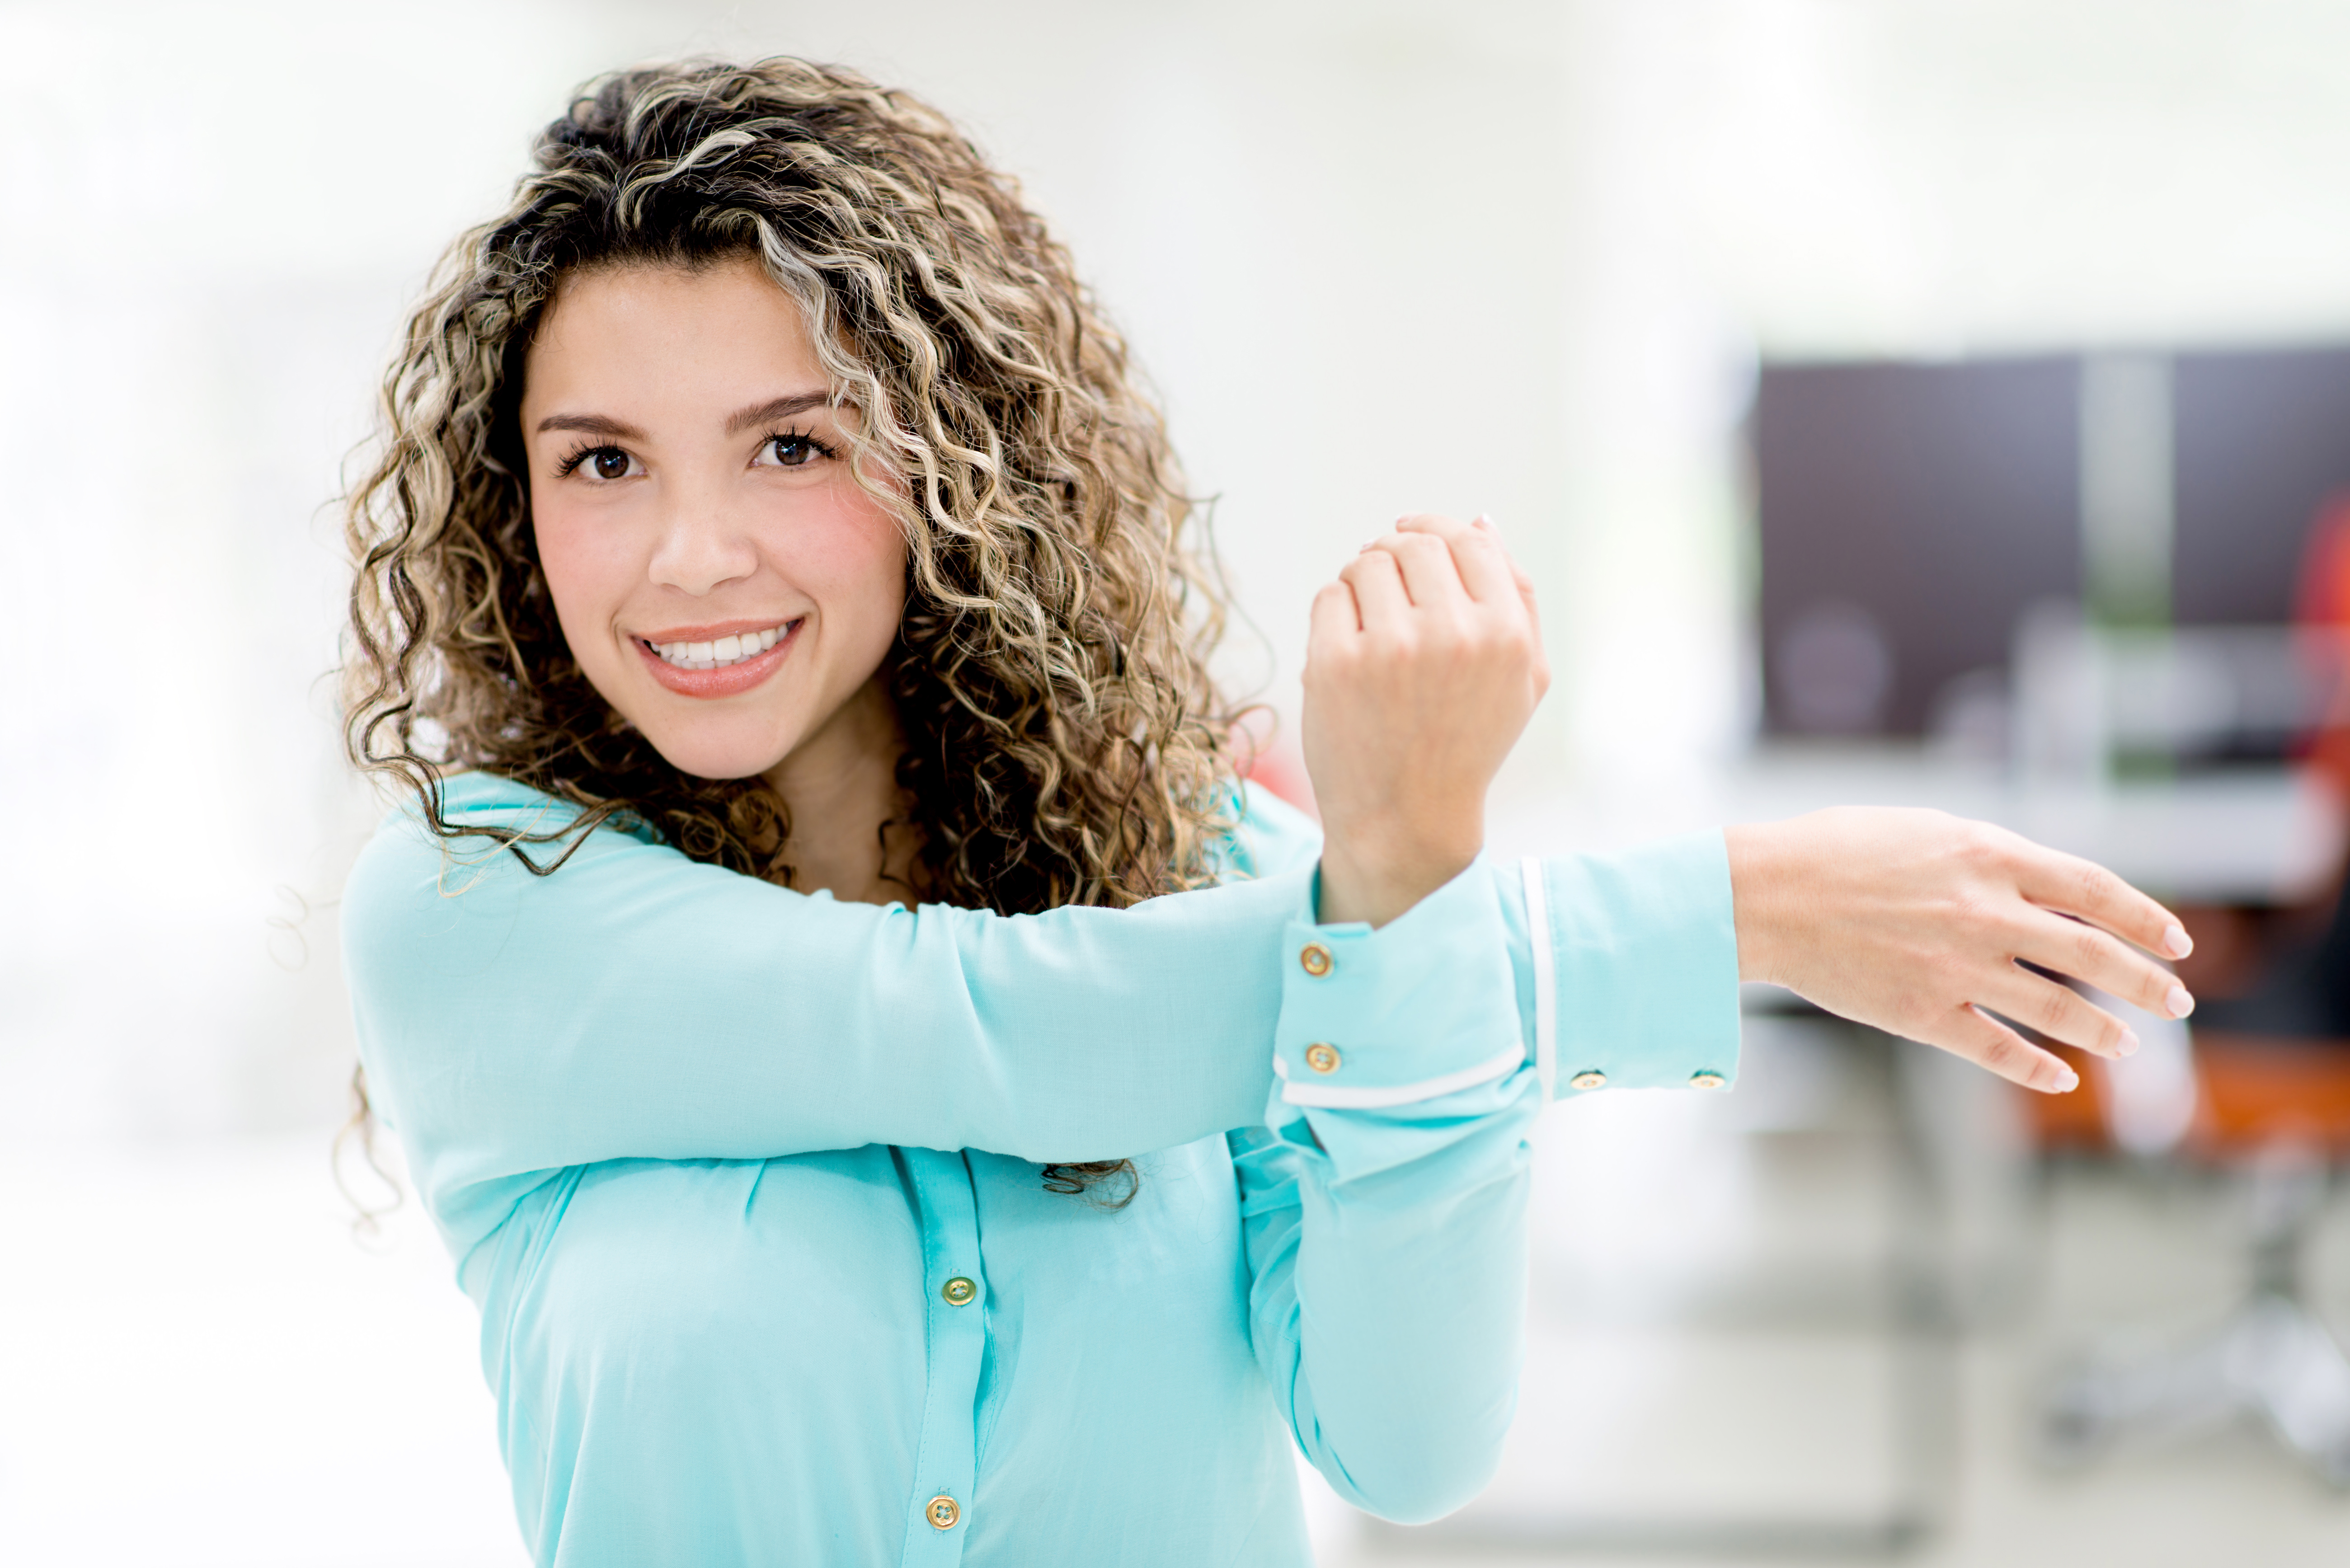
(1316, 960)
(1593, 1080)
(942, 1512)
(1707, 1080)
(1322, 1058)
(959, 1292)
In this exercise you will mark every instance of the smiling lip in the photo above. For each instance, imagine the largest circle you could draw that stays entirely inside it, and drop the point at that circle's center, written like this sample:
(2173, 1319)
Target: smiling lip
(728, 679)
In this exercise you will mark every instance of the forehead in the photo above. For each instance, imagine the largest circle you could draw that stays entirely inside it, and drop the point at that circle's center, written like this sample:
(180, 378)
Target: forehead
(654, 332)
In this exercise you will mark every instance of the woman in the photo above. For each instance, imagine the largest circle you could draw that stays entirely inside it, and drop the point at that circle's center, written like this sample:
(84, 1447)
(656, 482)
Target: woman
(773, 594)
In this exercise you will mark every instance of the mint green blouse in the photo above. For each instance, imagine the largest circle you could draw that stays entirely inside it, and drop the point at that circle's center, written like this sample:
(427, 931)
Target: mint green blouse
(746, 1184)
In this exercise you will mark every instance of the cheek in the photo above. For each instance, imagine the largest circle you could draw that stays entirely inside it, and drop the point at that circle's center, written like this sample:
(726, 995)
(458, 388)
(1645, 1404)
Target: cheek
(854, 565)
(587, 575)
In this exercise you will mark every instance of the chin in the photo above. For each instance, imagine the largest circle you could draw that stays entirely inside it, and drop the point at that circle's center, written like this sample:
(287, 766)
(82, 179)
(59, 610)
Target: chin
(716, 750)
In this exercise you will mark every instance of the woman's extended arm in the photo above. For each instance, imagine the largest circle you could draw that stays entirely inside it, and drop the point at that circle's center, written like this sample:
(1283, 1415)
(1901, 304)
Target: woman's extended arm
(635, 1004)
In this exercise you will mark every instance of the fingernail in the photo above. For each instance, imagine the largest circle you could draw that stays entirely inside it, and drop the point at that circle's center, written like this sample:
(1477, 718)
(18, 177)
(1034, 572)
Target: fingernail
(2067, 1080)
(2178, 1004)
(2176, 943)
(1484, 520)
(2128, 1047)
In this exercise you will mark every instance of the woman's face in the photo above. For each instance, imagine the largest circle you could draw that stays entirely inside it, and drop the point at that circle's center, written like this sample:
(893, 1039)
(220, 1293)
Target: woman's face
(720, 577)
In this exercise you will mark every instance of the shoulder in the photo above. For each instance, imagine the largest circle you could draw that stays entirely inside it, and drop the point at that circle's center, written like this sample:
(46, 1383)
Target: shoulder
(407, 870)
(1272, 836)
(497, 806)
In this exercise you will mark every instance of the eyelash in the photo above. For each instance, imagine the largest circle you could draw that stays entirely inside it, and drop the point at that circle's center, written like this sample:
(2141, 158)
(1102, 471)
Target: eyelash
(570, 464)
(821, 448)
(577, 455)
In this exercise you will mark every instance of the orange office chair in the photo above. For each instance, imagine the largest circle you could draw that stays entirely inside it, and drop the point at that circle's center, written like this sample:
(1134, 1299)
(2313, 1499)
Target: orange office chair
(2264, 1086)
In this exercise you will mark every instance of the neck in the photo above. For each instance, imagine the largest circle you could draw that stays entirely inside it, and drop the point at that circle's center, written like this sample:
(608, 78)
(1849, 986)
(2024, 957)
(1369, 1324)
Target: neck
(841, 787)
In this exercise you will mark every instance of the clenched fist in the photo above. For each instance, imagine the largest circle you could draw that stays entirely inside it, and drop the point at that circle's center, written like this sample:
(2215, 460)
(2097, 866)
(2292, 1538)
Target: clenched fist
(1424, 663)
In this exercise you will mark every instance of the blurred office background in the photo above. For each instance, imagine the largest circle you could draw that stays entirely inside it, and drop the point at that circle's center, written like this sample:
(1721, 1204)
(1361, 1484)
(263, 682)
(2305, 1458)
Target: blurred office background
(1936, 402)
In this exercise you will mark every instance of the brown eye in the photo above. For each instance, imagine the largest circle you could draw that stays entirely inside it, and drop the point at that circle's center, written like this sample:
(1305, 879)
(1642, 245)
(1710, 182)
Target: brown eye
(609, 462)
(793, 451)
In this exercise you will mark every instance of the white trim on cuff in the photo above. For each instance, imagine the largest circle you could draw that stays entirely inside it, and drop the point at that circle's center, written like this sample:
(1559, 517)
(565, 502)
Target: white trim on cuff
(1546, 977)
(1337, 1097)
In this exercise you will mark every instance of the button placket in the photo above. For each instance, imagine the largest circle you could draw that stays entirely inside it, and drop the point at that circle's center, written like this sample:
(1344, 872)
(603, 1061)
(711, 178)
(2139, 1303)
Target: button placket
(946, 1458)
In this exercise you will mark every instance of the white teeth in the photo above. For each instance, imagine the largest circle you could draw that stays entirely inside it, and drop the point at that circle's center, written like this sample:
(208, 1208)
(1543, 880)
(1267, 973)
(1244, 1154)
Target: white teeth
(721, 652)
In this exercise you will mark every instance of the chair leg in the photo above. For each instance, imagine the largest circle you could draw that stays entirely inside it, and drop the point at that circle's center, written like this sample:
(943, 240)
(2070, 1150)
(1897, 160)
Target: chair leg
(2294, 1372)
(2272, 1357)
(2172, 1395)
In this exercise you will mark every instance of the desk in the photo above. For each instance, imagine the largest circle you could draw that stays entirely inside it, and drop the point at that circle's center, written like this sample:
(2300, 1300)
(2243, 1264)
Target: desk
(2249, 836)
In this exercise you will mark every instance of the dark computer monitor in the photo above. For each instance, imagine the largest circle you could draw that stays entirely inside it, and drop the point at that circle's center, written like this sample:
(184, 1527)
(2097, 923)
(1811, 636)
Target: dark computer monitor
(1921, 507)
(2261, 440)
(1910, 514)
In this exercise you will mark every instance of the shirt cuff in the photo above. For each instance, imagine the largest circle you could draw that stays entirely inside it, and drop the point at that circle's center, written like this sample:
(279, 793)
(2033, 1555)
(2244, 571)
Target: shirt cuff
(1423, 1006)
(1641, 955)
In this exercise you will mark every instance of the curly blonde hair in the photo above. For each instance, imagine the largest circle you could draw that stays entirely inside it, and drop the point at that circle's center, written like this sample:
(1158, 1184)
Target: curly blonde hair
(1066, 744)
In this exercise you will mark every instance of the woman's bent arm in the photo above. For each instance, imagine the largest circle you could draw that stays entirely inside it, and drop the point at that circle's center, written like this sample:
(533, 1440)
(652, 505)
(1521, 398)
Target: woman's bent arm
(1386, 1256)
(1386, 1231)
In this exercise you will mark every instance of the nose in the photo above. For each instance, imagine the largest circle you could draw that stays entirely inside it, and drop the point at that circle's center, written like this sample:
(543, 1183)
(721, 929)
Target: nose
(702, 545)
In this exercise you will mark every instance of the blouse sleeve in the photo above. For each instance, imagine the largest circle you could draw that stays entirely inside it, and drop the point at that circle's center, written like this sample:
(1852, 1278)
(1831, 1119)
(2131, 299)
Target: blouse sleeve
(1384, 1206)
(635, 1003)
(638, 1004)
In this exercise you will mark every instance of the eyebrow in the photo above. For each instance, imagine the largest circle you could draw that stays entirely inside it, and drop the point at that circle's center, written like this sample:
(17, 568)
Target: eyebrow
(591, 424)
(774, 409)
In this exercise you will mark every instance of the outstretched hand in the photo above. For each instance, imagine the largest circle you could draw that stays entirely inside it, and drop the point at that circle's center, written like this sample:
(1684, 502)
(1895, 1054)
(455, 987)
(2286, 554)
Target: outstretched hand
(1424, 663)
(1920, 924)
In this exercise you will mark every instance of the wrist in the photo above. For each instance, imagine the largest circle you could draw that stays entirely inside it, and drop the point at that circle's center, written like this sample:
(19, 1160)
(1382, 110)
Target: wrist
(1375, 877)
(1758, 893)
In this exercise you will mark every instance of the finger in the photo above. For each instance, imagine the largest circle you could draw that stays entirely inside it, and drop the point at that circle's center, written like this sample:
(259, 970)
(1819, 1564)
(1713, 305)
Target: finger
(1492, 530)
(2060, 1012)
(2081, 951)
(1986, 1042)
(2072, 885)
(1485, 567)
(1519, 576)
(1520, 580)
(1435, 522)
(1379, 596)
(1334, 618)
(1431, 575)
(1524, 584)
